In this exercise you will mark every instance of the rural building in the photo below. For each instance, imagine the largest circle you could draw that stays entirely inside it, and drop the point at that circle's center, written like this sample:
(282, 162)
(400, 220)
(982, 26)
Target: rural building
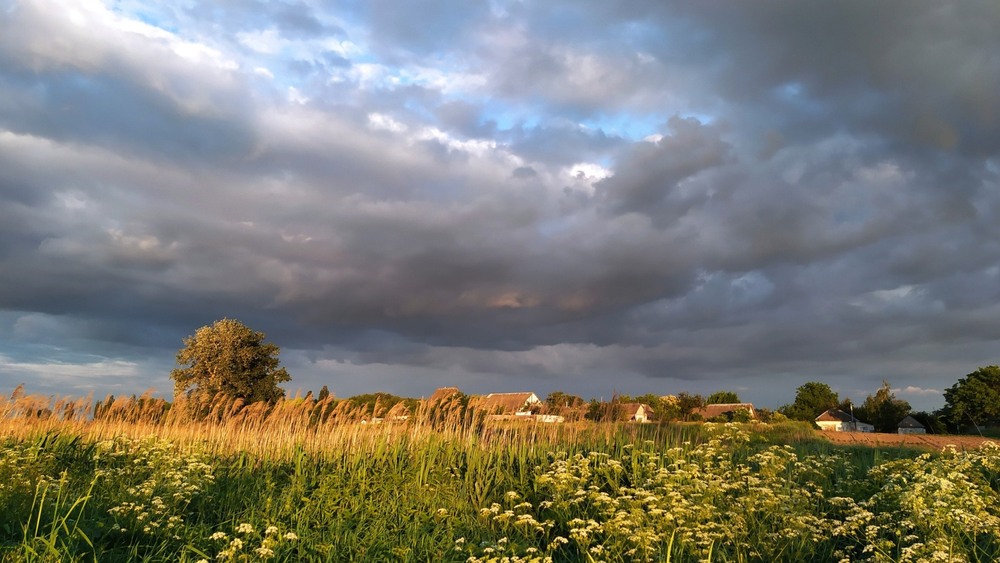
(836, 420)
(519, 404)
(398, 413)
(442, 395)
(636, 412)
(709, 412)
(549, 418)
(443, 403)
(910, 425)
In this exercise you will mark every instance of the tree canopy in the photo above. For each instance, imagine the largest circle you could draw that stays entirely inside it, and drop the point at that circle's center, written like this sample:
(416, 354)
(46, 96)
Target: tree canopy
(561, 400)
(974, 398)
(228, 358)
(722, 398)
(811, 400)
(686, 403)
(883, 409)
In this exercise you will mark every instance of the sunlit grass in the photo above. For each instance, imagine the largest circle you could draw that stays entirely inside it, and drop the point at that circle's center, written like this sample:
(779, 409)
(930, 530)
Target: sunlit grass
(303, 482)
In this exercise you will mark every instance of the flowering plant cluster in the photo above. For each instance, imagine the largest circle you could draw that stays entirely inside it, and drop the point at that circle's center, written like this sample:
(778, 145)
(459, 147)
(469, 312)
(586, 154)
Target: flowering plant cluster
(709, 502)
(22, 471)
(250, 543)
(150, 483)
(931, 508)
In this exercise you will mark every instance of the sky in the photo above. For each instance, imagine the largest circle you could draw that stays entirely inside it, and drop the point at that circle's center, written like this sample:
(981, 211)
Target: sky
(588, 196)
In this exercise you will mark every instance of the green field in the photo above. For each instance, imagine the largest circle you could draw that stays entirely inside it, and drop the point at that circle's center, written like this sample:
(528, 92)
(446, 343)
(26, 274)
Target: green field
(677, 492)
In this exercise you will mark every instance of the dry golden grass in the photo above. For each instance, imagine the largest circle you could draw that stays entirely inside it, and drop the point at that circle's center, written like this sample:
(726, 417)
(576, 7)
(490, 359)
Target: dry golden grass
(325, 427)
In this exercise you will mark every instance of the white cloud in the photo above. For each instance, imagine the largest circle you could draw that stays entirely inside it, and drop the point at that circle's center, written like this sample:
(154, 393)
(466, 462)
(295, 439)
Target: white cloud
(267, 41)
(343, 48)
(382, 122)
(295, 96)
(478, 147)
(911, 390)
(589, 171)
(69, 371)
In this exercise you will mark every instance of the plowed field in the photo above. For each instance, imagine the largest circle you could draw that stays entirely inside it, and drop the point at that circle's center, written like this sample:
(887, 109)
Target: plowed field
(929, 441)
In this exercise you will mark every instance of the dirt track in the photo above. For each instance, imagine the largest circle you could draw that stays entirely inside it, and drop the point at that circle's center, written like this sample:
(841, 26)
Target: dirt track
(929, 441)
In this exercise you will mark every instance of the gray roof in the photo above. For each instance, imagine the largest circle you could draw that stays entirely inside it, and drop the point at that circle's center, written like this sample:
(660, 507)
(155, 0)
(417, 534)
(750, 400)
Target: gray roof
(909, 422)
(837, 415)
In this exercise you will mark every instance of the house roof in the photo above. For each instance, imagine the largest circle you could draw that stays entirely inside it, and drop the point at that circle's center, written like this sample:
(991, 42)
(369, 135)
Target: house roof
(712, 411)
(629, 410)
(441, 395)
(837, 415)
(909, 422)
(504, 403)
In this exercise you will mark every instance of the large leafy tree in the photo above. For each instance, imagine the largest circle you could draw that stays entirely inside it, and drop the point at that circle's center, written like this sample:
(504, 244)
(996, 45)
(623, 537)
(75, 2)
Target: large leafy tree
(883, 409)
(231, 359)
(811, 400)
(974, 398)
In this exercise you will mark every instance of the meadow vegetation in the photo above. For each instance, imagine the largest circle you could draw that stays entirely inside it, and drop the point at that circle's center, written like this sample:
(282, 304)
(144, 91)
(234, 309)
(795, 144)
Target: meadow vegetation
(301, 481)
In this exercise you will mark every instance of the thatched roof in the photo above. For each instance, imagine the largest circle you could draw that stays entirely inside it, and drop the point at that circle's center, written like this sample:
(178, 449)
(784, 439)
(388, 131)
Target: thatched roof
(505, 403)
(442, 394)
(712, 411)
(630, 410)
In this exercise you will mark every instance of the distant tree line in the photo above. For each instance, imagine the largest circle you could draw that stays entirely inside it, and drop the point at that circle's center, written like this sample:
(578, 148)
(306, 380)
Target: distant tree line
(971, 404)
(228, 359)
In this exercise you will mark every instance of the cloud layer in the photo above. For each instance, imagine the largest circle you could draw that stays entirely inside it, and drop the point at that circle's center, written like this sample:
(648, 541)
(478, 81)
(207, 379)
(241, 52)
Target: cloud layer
(652, 197)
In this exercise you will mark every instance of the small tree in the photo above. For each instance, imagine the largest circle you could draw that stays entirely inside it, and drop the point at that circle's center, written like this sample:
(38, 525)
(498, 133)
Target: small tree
(558, 400)
(687, 403)
(722, 398)
(670, 408)
(601, 411)
(558, 403)
(883, 409)
(811, 400)
(323, 393)
(228, 358)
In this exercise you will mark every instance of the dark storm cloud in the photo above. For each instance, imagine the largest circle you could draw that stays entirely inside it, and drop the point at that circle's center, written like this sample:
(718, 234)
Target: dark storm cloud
(919, 73)
(650, 192)
(649, 178)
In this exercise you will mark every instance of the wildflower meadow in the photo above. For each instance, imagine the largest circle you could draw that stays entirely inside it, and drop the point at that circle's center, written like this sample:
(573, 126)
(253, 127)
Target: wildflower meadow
(286, 490)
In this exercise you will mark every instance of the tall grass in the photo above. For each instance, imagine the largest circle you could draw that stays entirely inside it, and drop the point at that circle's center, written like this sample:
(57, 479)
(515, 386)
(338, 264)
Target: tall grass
(321, 427)
(305, 482)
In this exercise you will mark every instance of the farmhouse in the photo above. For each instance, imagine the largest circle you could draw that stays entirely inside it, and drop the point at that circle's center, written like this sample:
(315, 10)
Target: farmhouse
(709, 412)
(636, 412)
(443, 403)
(836, 420)
(518, 404)
(398, 413)
(910, 425)
(442, 394)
